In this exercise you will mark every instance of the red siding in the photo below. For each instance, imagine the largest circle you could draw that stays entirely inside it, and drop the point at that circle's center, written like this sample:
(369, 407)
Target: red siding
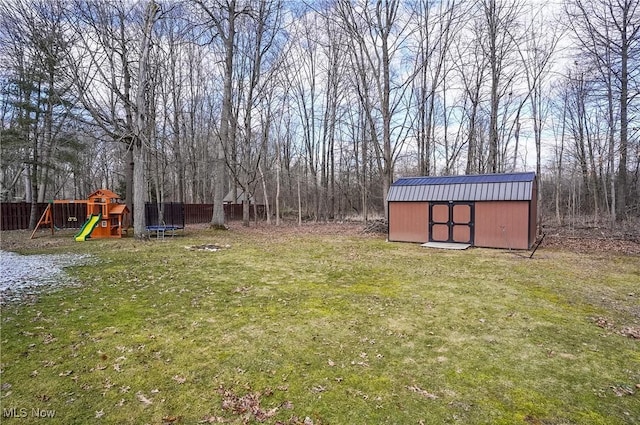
(533, 223)
(502, 224)
(408, 221)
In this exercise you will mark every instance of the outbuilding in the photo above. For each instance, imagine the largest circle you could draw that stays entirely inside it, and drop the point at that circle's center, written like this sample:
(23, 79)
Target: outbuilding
(487, 210)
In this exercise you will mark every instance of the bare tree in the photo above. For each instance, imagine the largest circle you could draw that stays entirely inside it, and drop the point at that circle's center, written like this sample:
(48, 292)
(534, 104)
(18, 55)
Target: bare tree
(305, 79)
(142, 117)
(35, 44)
(378, 32)
(105, 59)
(608, 32)
(113, 83)
(471, 66)
(434, 35)
(537, 52)
(317, 105)
(222, 18)
(502, 38)
(255, 69)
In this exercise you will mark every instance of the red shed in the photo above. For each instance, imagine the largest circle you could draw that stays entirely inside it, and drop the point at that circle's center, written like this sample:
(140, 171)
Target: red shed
(487, 210)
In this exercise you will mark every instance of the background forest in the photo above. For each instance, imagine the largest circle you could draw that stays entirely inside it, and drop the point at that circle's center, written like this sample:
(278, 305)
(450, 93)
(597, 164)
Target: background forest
(317, 107)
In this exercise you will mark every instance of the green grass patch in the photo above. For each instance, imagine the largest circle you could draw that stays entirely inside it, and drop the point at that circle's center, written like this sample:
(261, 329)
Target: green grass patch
(328, 329)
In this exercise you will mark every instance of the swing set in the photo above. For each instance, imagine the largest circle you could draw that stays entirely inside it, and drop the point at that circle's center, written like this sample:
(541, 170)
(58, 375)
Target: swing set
(73, 217)
(105, 216)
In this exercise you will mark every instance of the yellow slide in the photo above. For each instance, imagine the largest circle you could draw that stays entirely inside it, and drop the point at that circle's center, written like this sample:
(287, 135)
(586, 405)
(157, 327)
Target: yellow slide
(87, 227)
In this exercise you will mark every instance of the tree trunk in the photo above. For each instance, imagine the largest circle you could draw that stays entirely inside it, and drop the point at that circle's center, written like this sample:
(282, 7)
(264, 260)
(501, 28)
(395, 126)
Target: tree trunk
(277, 200)
(495, 80)
(128, 176)
(217, 219)
(621, 196)
(142, 111)
(559, 165)
(139, 190)
(267, 209)
(299, 204)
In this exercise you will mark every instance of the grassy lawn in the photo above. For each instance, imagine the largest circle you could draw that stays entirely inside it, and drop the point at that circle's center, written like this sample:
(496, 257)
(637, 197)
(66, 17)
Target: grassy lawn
(320, 328)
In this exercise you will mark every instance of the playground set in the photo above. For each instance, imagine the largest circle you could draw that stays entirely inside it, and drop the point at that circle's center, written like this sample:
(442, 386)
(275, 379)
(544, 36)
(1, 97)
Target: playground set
(105, 217)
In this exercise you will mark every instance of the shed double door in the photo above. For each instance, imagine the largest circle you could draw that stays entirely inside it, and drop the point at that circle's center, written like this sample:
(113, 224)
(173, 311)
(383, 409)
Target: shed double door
(451, 222)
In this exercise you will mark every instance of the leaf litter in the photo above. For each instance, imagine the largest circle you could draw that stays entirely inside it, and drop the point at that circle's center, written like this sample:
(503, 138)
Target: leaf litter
(143, 398)
(209, 247)
(420, 391)
(249, 407)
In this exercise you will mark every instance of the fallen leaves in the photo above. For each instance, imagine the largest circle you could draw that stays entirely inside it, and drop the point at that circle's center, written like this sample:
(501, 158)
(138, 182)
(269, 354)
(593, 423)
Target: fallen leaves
(179, 379)
(603, 322)
(631, 332)
(628, 331)
(48, 339)
(242, 290)
(424, 393)
(318, 389)
(208, 247)
(622, 390)
(5, 390)
(590, 243)
(143, 399)
(248, 407)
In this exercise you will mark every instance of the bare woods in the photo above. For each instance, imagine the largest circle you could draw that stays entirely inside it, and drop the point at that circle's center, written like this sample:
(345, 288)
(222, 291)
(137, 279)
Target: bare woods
(314, 108)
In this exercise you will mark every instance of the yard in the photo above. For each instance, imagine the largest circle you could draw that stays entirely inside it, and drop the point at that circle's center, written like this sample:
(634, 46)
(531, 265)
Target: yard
(323, 325)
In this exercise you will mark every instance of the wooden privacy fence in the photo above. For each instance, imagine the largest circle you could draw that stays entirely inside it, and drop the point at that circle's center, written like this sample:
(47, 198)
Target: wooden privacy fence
(15, 215)
(201, 213)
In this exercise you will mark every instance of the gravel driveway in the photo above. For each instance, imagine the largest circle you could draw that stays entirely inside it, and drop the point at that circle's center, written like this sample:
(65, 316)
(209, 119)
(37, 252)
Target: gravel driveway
(22, 275)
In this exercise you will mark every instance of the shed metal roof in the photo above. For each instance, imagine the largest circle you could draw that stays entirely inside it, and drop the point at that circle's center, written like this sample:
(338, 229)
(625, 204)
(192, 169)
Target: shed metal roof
(482, 187)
